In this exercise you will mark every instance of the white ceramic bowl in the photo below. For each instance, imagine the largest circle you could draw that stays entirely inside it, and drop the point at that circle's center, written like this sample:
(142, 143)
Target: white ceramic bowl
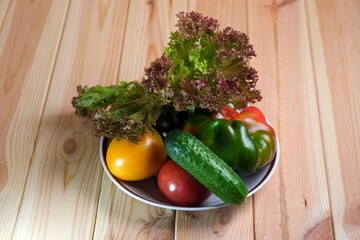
(147, 191)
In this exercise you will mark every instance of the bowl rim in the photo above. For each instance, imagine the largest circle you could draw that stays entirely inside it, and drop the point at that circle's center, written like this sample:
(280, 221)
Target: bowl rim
(265, 179)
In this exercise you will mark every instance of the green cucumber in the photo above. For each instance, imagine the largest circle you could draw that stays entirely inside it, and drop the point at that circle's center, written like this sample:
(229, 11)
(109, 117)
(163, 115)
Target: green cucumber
(203, 164)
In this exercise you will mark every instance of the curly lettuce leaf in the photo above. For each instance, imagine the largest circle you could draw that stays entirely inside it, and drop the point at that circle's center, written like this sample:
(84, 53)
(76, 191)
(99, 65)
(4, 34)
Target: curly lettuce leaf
(202, 67)
(205, 67)
(121, 111)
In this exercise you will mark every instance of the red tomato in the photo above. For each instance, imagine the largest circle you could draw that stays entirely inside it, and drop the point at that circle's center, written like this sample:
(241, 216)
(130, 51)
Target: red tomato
(179, 187)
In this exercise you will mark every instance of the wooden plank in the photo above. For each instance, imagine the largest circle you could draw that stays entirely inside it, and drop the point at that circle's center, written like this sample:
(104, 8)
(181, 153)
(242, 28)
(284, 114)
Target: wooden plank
(62, 190)
(121, 216)
(229, 13)
(29, 41)
(225, 223)
(4, 6)
(330, 143)
(269, 215)
(148, 31)
(229, 222)
(304, 196)
(335, 30)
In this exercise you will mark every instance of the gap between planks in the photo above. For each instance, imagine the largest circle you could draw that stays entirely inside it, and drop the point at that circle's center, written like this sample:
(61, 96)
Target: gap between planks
(4, 16)
(327, 123)
(117, 77)
(43, 109)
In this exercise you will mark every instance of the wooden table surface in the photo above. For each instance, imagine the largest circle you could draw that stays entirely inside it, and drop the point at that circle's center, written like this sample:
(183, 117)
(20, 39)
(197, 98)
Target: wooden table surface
(52, 185)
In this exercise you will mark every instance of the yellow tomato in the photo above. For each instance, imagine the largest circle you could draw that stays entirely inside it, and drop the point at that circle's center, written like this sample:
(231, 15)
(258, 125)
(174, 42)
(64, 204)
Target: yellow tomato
(132, 162)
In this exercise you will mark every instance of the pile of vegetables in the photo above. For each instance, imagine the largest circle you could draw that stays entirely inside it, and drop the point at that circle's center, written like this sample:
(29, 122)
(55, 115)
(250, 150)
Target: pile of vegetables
(186, 93)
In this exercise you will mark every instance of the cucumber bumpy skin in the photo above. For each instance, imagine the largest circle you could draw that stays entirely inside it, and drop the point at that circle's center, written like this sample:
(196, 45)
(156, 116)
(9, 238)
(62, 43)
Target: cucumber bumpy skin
(203, 164)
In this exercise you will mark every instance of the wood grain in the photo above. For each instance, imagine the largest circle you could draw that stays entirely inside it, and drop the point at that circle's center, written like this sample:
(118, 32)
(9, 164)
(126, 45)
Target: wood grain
(148, 31)
(226, 223)
(305, 203)
(61, 194)
(339, 101)
(330, 144)
(230, 222)
(269, 211)
(4, 6)
(30, 34)
(121, 216)
(51, 181)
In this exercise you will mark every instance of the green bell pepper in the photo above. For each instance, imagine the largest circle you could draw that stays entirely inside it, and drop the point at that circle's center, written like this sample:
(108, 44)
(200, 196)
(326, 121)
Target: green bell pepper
(195, 124)
(262, 133)
(231, 141)
(243, 140)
